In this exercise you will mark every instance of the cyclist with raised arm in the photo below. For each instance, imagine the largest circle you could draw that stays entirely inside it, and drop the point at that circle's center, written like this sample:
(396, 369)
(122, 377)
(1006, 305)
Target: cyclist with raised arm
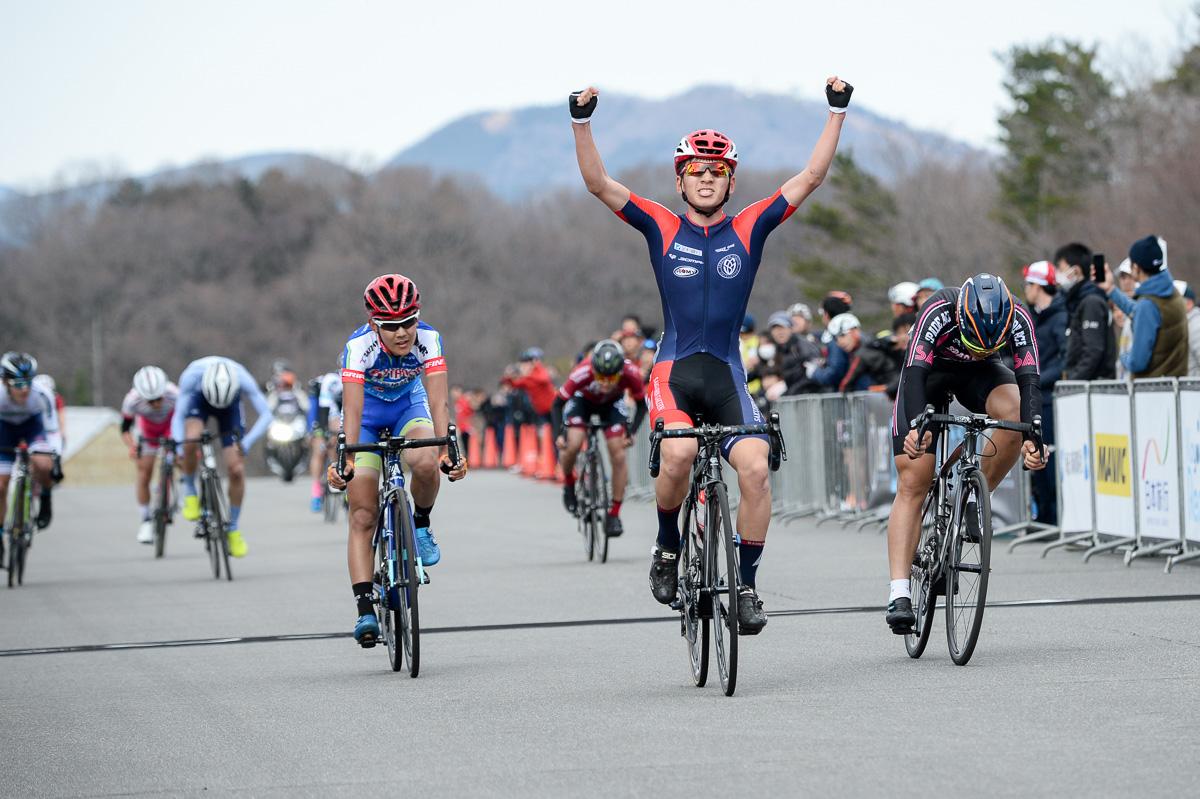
(705, 263)
(324, 417)
(955, 351)
(381, 389)
(214, 387)
(597, 386)
(28, 413)
(150, 403)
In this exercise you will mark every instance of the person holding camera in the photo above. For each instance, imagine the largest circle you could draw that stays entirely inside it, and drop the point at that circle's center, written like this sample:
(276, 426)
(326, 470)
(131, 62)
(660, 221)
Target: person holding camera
(1091, 345)
(1160, 333)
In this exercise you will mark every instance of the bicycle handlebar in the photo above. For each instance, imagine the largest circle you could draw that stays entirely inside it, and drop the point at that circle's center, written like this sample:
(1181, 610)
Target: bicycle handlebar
(166, 443)
(397, 443)
(978, 423)
(716, 432)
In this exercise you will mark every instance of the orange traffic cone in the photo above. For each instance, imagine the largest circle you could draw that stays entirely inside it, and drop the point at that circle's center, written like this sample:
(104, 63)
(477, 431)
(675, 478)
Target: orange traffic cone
(529, 450)
(510, 447)
(547, 459)
(474, 456)
(490, 459)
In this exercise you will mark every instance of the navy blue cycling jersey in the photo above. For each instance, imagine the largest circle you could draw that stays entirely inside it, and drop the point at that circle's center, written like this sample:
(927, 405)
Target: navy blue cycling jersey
(704, 274)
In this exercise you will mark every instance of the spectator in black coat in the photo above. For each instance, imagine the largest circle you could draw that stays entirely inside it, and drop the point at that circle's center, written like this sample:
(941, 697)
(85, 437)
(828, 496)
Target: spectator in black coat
(1091, 350)
(1049, 313)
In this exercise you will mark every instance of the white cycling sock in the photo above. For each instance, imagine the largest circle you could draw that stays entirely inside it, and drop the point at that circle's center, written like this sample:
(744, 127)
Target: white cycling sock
(145, 509)
(900, 588)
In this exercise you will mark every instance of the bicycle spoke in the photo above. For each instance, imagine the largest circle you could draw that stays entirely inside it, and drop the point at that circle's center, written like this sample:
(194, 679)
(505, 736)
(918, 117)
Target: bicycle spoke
(693, 619)
(968, 564)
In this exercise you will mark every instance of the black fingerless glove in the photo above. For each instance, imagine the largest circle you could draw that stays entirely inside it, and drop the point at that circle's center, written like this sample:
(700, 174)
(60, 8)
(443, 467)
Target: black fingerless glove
(838, 100)
(581, 113)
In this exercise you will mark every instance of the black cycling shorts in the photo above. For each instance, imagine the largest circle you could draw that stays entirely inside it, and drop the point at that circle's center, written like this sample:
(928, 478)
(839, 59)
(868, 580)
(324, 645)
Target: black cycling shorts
(702, 388)
(970, 384)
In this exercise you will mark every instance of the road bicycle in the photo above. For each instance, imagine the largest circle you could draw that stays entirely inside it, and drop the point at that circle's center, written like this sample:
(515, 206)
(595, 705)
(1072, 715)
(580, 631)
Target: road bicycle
(592, 499)
(953, 554)
(22, 510)
(398, 569)
(709, 578)
(166, 500)
(213, 524)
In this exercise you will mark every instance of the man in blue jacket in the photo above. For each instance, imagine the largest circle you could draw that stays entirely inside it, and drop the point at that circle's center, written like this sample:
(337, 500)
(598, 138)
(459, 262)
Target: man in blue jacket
(1160, 337)
(1050, 331)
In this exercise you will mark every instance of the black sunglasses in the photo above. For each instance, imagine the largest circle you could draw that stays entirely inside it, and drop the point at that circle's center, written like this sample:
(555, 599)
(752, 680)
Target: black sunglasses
(393, 326)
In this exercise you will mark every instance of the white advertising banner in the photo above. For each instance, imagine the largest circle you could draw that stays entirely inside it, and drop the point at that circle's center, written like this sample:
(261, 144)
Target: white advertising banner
(1157, 479)
(1112, 464)
(1189, 428)
(1074, 462)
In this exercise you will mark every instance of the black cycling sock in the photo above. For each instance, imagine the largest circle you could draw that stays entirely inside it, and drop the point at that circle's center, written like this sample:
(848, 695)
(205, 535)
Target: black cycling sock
(749, 556)
(421, 515)
(668, 528)
(362, 595)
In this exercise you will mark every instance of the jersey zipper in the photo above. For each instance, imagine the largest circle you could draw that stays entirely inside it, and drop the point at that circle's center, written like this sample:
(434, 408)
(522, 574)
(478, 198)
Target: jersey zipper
(707, 269)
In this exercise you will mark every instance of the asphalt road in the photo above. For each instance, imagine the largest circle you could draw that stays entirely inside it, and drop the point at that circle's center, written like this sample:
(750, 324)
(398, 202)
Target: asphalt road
(545, 675)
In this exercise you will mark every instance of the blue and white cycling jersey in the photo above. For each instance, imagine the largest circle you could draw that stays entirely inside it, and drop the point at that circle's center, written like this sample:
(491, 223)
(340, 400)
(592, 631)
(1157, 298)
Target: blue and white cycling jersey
(190, 389)
(389, 377)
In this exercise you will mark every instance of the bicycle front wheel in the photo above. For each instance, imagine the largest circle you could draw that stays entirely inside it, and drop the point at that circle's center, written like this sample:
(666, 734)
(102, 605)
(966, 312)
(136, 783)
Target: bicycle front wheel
(723, 583)
(600, 508)
(19, 516)
(583, 507)
(386, 569)
(923, 578)
(163, 512)
(693, 615)
(408, 620)
(967, 565)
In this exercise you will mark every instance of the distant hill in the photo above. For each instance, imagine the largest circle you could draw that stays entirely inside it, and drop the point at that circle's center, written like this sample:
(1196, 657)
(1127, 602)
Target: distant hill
(522, 153)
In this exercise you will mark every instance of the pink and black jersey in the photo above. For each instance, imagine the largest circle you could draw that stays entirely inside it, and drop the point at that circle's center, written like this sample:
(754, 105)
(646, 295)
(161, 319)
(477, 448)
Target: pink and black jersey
(704, 274)
(582, 383)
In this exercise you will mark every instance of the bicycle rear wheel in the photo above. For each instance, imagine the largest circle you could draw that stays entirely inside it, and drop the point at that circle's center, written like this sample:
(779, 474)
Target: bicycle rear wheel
(692, 616)
(386, 569)
(967, 565)
(600, 508)
(922, 577)
(408, 620)
(723, 581)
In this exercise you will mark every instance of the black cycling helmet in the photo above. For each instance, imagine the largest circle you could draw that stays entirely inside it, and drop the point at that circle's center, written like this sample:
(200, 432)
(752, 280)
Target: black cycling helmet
(985, 311)
(18, 366)
(607, 358)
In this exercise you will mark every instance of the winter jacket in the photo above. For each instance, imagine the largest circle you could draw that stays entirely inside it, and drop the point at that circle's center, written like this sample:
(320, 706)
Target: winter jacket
(1050, 331)
(1193, 320)
(1091, 346)
(1159, 328)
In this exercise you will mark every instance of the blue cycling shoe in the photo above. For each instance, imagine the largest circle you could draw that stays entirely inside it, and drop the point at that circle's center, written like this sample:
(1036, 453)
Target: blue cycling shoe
(316, 505)
(366, 632)
(427, 547)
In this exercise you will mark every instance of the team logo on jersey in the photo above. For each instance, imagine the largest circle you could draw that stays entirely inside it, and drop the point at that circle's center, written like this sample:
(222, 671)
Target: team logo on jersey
(730, 265)
(686, 271)
(688, 250)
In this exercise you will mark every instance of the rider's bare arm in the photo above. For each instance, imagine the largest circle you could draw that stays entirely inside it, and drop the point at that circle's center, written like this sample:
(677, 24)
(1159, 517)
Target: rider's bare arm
(796, 190)
(609, 191)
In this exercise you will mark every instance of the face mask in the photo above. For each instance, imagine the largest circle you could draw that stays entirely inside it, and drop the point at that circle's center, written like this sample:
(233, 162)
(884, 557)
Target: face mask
(1068, 280)
(766, 352)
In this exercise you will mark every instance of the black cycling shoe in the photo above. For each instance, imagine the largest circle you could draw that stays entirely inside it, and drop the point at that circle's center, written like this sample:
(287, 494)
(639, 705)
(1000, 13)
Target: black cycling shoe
(751, 618)
(569, 499)
(44, 512)
(900, 616)
(971, 531)
(613, 527)
(664, 574)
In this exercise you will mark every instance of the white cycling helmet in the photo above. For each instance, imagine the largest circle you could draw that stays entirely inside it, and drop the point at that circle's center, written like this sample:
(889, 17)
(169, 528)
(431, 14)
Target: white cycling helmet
(220, 385)
(903, 293)
(150, 382)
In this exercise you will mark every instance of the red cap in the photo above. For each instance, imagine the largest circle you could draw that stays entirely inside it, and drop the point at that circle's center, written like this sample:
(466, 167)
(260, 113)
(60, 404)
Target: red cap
(1041, 273)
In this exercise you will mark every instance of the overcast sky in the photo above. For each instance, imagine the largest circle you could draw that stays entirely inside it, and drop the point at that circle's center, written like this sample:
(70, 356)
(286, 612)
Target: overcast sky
(130, 86)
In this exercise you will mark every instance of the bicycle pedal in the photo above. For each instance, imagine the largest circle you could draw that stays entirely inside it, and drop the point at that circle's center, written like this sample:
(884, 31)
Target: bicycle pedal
(425, 578)
(676, 605)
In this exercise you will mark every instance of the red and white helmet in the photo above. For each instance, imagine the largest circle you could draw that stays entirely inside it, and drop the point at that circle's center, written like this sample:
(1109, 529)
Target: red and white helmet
(706, 144)
(391, 297)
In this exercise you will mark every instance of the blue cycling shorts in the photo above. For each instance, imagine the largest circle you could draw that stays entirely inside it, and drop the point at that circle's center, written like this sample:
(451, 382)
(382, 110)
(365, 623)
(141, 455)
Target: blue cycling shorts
(399, 417)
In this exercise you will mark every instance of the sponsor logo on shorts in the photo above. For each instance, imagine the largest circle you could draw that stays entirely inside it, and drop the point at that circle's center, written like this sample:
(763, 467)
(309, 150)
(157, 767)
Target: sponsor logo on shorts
(686, 271)
(730, 265)
(688, 250)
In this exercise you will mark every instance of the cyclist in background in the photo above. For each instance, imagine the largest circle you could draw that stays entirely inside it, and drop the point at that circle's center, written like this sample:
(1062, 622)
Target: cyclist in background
(597, 387)
(151, 403)
(324, 418)
(954, 350)
(381, 367)
(214, 387)
(60, 406)
(705, 263)
(28, 413)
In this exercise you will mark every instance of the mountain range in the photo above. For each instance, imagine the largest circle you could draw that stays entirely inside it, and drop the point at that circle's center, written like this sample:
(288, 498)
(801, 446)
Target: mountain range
(528, 152)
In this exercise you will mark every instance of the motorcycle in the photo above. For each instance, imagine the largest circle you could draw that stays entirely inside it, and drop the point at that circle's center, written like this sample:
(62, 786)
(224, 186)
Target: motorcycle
(286, 443)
